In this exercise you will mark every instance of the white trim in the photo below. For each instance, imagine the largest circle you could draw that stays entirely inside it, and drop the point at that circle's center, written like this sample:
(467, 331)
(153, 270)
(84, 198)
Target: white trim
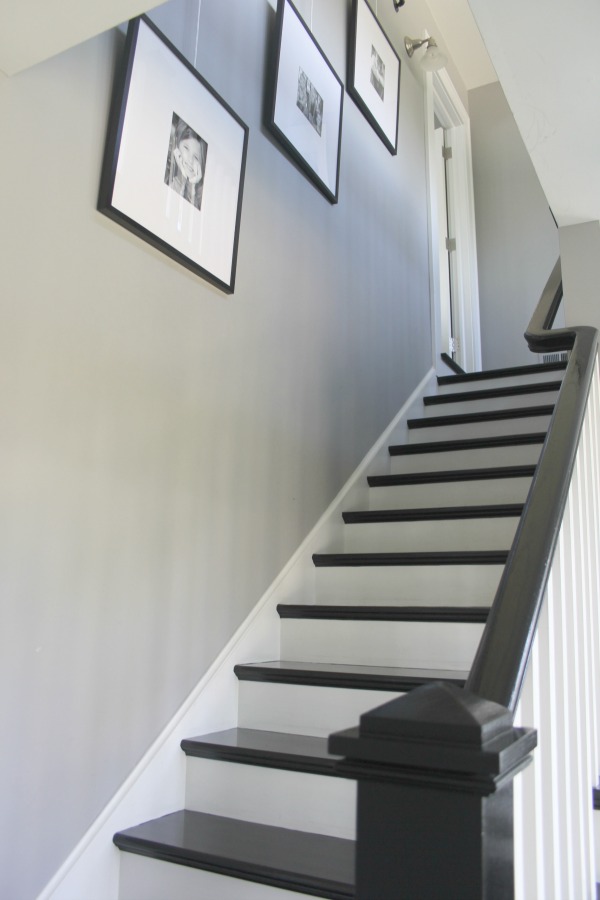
(157, 784)
(442, 100)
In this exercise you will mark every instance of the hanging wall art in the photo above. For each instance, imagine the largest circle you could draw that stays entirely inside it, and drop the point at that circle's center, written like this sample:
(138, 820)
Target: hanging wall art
(307, 101)
(374, 73)
(175, 157)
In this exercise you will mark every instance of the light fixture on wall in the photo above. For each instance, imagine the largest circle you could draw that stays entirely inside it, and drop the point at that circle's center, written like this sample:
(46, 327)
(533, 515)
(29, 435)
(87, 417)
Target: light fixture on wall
(398, 4)
(433, 59)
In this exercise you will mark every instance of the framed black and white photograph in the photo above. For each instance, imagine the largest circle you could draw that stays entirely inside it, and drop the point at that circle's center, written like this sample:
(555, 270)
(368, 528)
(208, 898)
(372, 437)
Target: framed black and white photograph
(374, 73)
(307, 101)
(175, 159)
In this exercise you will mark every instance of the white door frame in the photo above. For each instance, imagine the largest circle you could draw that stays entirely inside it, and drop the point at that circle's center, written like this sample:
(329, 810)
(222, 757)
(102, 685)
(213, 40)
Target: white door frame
(443, 102)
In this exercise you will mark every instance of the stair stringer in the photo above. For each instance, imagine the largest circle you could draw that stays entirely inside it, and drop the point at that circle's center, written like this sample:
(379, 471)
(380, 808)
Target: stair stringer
(157, 784)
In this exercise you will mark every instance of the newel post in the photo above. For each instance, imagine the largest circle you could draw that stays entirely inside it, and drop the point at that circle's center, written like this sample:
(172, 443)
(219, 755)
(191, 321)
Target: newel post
(435, 800)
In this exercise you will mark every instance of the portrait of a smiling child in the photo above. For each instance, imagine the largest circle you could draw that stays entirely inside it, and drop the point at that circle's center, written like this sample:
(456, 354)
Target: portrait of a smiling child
(186, 162)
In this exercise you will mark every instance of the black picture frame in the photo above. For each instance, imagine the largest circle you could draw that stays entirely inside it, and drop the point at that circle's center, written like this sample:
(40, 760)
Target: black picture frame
(175, 158)
(307, 101)
(374, 73)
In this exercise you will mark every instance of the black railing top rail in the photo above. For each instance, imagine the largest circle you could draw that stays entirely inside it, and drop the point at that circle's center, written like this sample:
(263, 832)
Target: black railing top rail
(501, 661)
(452, 364)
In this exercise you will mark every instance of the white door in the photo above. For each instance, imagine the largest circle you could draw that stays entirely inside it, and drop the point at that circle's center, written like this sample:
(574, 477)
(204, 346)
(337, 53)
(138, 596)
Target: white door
(454, 278)
(446, 332)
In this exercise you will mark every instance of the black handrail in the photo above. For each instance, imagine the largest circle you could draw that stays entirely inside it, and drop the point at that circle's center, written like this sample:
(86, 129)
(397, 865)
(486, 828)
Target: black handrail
(452, 364)
(501, 661)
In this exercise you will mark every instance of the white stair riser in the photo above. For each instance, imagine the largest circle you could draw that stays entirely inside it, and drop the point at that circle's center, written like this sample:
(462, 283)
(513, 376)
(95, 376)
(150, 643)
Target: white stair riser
(297, 800)
(322, 803)
(419, 645)
(484, 384)
(458, 407)
(478, 429)
(301, 709)
(445, 534)
(142, 878)
(450, 493)
(379, 585)
(479, 458)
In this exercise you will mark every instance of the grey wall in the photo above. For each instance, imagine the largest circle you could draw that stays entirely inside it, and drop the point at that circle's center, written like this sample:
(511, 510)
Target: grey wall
(165, 448)
(580, 263)
(517, 241)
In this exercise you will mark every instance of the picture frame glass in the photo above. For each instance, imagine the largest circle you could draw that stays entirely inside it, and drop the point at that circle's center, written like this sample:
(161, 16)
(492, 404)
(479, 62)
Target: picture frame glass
(180, 163)
(308, 101)
(375, 76)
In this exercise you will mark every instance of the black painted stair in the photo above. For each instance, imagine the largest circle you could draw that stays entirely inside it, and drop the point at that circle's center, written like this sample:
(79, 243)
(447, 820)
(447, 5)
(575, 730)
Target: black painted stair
(272, 749)
(510, 440)
(432, 514)
(484, 474)
(294, 860)
(371, 678)
(427, 558)
(470, 614)
(316, 864)
(489, 374)
(519, 390)
(494, 415)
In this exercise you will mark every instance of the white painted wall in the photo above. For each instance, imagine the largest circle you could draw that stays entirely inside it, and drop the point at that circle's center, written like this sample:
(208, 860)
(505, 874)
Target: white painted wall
(551, 92)
(166, 448)
(580, 263)
(157, 785)
(517, 240)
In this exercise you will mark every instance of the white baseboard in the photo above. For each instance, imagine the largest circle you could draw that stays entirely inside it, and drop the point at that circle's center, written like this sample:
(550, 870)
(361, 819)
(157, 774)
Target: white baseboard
(157, 784)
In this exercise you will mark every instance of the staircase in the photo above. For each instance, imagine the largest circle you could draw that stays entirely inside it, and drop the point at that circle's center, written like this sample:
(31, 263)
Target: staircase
(402, 602)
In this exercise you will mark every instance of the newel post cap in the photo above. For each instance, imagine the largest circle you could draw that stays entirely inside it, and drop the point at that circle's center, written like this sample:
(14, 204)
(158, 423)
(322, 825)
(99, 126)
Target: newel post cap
(437, 728)
(436, 709)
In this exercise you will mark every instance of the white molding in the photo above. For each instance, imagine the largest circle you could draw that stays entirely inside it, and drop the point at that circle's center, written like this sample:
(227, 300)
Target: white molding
(448, 105)
(442, 100)
(157, 784)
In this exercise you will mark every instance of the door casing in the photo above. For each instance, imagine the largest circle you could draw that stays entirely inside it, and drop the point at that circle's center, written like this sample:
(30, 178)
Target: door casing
(444, 104)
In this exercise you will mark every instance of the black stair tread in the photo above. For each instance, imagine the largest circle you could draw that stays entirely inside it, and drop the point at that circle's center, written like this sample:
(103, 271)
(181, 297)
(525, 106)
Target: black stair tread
(483, 474)
(508, 372)
(464, 614)
(493, 415)
(297, 860)
(434, 513)
(515, 390)
(421, 558)
(480, 443)
(275, 749)
(377, 678)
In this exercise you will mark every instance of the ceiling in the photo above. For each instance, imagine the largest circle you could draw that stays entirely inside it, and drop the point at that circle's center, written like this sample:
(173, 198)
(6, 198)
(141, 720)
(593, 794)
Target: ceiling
(34, 30)
(547, 62)
(459, 31)
(553, 96)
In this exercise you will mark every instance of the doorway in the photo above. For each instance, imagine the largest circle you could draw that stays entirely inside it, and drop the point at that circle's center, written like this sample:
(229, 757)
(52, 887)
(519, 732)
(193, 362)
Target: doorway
(453, 258)
(442, 155)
